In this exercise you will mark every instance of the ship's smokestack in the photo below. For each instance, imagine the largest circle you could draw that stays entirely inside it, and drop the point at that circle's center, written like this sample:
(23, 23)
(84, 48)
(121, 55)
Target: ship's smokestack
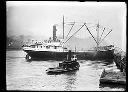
(54, 32)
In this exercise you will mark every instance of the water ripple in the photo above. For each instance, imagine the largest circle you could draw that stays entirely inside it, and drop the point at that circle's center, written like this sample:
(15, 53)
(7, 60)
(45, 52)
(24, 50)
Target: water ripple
(22, 75)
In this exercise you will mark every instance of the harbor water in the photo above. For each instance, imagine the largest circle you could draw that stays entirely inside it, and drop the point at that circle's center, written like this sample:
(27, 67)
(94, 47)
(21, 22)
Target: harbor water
(24, 75)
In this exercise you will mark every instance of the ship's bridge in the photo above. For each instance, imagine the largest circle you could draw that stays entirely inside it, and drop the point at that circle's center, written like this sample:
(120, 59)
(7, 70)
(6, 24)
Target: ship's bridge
(54, 43)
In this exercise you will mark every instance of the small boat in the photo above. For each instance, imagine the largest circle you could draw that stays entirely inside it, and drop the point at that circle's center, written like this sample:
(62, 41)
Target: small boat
(70, 64)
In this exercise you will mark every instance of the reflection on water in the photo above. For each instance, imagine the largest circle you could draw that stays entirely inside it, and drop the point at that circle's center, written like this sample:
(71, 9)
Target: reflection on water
(22, 75)
(70, 81)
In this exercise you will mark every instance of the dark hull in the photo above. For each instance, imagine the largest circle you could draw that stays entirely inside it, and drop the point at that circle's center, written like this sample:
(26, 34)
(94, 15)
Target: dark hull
(45, 55)
(90, 55)
(59, 71)
(99, 55)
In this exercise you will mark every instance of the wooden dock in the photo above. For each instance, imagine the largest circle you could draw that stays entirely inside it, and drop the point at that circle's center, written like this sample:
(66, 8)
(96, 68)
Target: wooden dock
(110, 76)
(120, 60)
(116, 77)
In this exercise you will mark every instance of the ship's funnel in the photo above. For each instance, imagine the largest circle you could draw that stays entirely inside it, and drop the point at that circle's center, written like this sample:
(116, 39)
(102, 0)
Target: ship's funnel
(54, 32)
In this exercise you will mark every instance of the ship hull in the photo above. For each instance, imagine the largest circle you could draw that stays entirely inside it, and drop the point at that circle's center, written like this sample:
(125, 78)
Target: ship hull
(88, 55)
(44, 55)
(96, 55)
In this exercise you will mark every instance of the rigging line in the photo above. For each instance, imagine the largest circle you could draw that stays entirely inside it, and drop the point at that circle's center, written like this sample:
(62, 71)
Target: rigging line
(74, 34)
(102, 34)
(91, 26)
(70, 30)
(91, 34)
(63, 27)
(105, 36)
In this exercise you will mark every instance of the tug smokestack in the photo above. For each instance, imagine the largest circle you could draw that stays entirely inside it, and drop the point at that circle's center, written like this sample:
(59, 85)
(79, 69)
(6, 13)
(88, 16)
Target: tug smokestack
(69, 55)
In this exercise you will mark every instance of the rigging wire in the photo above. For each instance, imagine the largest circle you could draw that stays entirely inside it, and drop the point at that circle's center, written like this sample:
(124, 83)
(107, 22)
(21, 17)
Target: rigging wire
(105, 36)
(91, 33)
(73, 23)
(70, 30)
(102, 34)
(73, 34)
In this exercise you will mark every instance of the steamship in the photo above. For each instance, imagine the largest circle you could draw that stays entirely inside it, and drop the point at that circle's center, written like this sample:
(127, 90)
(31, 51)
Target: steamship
(54, 48)
(49, 49)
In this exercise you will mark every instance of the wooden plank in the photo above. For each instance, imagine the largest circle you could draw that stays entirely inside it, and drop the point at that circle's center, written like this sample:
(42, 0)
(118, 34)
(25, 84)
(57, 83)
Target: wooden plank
(113, 77)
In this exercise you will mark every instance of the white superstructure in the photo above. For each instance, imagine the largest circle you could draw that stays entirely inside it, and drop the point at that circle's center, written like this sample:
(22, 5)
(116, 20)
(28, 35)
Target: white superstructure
(49, 46)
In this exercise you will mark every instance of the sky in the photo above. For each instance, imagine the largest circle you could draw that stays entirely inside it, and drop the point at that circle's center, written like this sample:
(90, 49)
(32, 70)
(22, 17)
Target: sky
(37, 18)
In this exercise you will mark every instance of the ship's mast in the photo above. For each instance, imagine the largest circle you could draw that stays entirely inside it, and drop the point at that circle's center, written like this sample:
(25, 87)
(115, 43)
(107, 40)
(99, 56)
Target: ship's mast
(63, 33)
(63, 27)
(75, 49)
(97, 36)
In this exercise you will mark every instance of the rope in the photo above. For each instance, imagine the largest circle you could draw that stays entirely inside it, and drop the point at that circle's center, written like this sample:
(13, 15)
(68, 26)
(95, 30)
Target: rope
(70, 30)
(74, 33)
(102, 34)
(91, 34)
(105, 36)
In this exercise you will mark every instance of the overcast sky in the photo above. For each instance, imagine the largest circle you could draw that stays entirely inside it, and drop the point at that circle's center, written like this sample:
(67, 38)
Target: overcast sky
(38, 18)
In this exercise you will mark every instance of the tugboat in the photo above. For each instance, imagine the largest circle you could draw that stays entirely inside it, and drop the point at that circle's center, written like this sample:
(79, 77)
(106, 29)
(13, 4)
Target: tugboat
(70, 64)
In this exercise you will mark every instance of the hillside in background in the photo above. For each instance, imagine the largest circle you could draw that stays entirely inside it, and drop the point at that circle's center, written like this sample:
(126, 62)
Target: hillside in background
(16, 42)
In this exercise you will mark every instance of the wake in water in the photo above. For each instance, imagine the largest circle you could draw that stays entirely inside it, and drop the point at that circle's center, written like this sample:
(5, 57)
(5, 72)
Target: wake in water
(22, 75)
